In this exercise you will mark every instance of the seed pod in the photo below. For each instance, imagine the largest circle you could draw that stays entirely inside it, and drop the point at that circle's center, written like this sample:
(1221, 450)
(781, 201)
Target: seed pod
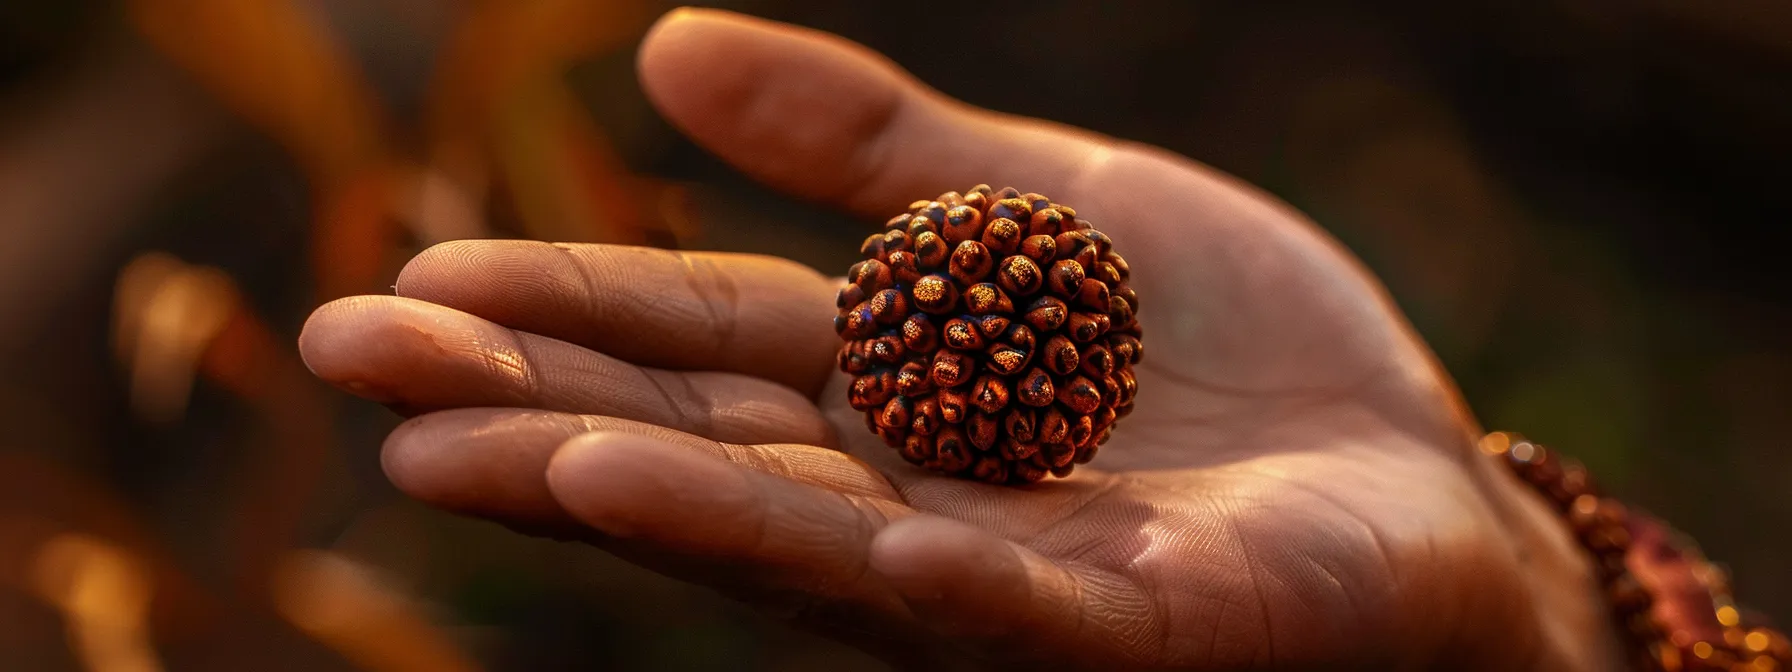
(1065, 278)
(919, 334)
(985, 298)
(1036, 389)
(962, 223)
(930, 250)
(990, 335)
(935, 294)
(1041, 249)
(1047, 314)
(1019, 276)
(1002, 236)
(951, 369)
(970, 263)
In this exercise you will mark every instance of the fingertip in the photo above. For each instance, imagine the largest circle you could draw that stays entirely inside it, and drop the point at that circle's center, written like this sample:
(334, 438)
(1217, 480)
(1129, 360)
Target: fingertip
(801, 110)
(333, 343)
(930, 559)
(630, 485)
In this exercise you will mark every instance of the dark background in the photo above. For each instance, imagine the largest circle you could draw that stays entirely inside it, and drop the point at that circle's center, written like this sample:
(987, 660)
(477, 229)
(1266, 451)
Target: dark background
(1580, 204)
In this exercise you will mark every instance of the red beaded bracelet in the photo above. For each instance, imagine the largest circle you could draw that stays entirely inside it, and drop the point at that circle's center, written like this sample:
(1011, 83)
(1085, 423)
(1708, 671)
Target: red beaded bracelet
(1672, 604)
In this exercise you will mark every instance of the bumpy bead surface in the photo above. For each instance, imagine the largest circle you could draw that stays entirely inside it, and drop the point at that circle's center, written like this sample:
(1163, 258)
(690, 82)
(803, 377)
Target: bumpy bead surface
(990, 335)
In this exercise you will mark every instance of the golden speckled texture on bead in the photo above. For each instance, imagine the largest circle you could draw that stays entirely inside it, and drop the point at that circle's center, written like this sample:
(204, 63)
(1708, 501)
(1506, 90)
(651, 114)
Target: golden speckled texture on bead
(990, 335)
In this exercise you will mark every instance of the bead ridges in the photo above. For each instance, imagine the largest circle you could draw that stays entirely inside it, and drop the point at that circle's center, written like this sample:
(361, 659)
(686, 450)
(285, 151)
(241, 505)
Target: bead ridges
(990, 335)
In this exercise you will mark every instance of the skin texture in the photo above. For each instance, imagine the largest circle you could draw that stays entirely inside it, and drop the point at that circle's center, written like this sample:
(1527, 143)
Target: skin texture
(1298, 487)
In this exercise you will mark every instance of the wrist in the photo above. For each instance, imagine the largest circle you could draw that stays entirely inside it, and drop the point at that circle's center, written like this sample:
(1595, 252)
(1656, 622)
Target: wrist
(1670, 608)
(1572, 623)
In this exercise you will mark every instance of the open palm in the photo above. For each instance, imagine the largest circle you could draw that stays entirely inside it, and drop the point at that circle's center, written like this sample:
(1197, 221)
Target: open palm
(1297, 486)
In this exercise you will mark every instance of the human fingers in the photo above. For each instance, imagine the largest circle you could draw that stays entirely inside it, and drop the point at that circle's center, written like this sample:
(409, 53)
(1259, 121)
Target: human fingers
(1012, 605)
(419, 357)
(752, 315)
(489, 462)
(820, 117)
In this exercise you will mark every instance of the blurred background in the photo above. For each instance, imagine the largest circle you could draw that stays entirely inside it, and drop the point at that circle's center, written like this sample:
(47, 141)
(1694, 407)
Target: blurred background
(1580, 204)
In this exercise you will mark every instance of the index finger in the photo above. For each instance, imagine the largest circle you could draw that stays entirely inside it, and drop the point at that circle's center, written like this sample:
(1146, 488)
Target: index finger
(692, 311)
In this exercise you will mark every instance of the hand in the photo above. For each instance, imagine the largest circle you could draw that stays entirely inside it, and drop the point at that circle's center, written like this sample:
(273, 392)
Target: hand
(1297, 487)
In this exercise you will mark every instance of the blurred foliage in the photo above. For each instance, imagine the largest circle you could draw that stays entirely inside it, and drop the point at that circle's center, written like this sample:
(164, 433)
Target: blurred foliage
(1578, 204)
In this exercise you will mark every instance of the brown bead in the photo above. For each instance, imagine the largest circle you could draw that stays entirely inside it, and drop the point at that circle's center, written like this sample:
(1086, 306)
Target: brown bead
(1026, 472)
(1040, 249)
(952, 450)
(1129, 385)
(951, 369)
(1092, 294)
(954, 404)
(1127, 348)
(963, 223)
(990, 469)
(970, 263)
(1061, 355)
(849, 295)
(1020, 336)
(1053, 427)
(962, 334)
(1011, 208)
(913, 379)
(977, 200)
(1019, 276)
(855, 357)
(1626, 595)
(915, 226)
(1065, 279)
(895, 414)
(985, 298)
(871, 390)
(1098, 363)
(1007, 359)
(887, 349)
(969, 299)
(903, 267)
(1047, 222)
(1086, 257)
(895, 240)
(889, 307)
(1069, 242)
(856, 323)
(930, 250)
(918, 449)
(982, 430)
(990, 393)
(1015, 450)
(1082, 431)
(1080, 395)
(926, 420)
(1086, 327)
(919, 334)
(1046, 314)
(1086, 452)
(873, 247)
(1119, 311)
(1020, 424)
(991, 326)
(1002, 236)
(1035, 389)
(1126, 293)
(935, 294)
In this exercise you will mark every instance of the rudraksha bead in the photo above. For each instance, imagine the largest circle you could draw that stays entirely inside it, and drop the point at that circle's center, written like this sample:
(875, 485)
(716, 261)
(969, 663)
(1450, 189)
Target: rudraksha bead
(990, 335)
